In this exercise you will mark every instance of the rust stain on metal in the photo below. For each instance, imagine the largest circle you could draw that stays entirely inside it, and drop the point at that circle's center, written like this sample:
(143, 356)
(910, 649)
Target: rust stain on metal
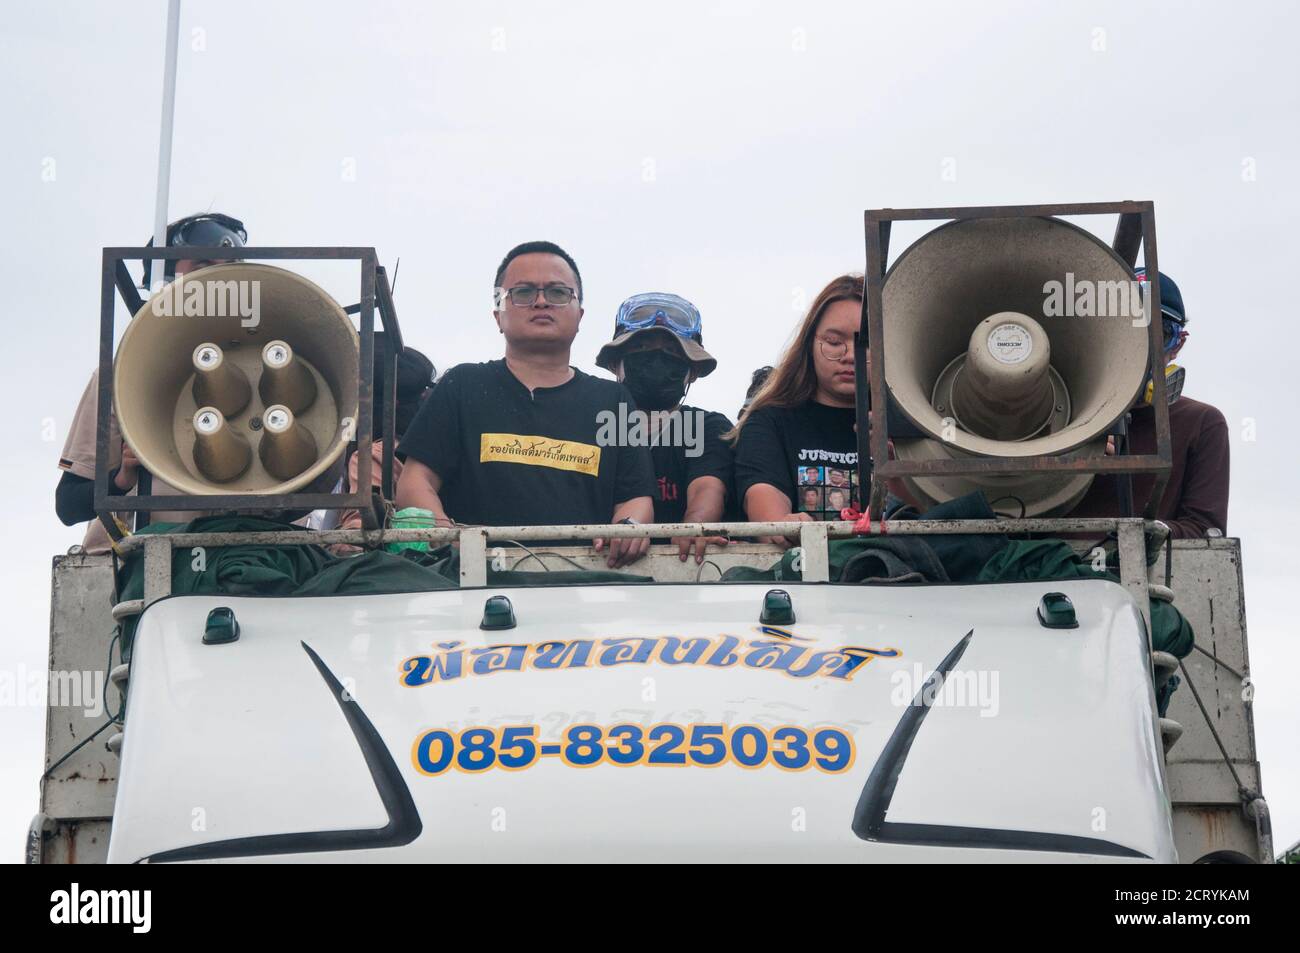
(72, 842)
(1211, 821)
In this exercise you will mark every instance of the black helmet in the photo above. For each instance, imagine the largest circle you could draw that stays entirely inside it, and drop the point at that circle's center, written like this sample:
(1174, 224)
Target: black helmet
(202, 231)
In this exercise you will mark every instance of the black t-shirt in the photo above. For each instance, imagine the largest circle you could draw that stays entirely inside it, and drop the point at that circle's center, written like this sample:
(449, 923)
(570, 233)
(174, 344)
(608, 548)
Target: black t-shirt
(675, 467)
(508, 457)
(808, 452)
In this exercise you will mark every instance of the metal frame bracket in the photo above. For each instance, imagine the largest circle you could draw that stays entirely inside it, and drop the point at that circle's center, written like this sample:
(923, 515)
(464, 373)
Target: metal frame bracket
(375, 293)
(1136, 229)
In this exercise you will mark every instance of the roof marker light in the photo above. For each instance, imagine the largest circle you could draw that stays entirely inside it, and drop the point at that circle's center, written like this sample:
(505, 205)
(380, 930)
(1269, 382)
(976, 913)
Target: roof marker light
(498, 613)
(778, 608)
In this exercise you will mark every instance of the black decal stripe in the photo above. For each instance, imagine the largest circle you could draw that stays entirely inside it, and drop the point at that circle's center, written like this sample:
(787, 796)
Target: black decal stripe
(984, 838)
(869, 816)
(876, 794)
(403, 825)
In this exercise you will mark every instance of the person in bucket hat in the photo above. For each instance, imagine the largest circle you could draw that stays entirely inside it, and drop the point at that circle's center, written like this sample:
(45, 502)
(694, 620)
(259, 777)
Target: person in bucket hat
(657, 352)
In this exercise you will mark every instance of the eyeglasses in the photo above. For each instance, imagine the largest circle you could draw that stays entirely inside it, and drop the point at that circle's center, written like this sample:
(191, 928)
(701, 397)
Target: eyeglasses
(521, 296)
(656, 309)
(833, 350)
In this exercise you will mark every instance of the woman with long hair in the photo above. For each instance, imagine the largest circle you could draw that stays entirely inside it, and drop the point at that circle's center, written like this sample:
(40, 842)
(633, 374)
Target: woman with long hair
(799, 426)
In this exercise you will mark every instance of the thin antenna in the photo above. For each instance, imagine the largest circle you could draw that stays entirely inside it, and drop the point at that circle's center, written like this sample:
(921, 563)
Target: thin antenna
(392, 288)
(165, 134)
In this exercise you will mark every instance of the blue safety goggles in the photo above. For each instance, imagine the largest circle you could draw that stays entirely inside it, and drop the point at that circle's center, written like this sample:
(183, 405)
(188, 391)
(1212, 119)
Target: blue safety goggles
(1173, 331)
(657, 309)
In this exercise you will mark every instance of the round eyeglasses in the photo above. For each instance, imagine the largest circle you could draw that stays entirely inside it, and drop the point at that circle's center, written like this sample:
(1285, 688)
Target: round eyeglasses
(833, 350)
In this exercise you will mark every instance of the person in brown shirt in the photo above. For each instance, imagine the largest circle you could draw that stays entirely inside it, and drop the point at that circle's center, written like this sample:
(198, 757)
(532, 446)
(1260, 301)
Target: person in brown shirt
(1195, 501)
(74, 495)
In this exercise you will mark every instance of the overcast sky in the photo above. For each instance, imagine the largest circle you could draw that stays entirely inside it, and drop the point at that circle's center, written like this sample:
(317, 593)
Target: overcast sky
(723, 151)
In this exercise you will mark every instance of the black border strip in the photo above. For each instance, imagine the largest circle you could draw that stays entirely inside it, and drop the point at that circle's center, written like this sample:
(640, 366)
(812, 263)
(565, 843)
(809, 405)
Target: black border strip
(985, 838)
(869, 816)
(404, 824)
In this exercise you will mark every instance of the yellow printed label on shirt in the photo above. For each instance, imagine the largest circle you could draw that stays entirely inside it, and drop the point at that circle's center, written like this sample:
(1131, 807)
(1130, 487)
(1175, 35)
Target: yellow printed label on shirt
(539, 452)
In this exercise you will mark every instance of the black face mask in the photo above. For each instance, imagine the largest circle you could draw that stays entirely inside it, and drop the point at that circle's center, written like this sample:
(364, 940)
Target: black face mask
(656, 379)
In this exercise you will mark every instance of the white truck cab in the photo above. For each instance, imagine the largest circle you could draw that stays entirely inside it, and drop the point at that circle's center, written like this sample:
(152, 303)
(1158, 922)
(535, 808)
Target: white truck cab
(677, 720)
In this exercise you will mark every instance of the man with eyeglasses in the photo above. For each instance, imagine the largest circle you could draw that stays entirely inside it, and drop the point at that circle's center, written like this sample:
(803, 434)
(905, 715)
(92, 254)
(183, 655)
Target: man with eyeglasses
(74, 496)
(658, 352)
(514, 442)
(1195, 501)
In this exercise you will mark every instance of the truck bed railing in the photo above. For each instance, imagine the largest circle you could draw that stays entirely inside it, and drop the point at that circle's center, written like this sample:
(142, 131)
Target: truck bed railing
(1136, 538)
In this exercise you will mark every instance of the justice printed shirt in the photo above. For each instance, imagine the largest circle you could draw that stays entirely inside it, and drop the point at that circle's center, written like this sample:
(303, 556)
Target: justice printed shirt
(511, 457)
(808, 452)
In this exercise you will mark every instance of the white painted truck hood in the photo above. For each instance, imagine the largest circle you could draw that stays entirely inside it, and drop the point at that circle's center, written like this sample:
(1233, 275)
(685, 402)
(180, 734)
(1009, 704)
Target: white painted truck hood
(250, 750)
